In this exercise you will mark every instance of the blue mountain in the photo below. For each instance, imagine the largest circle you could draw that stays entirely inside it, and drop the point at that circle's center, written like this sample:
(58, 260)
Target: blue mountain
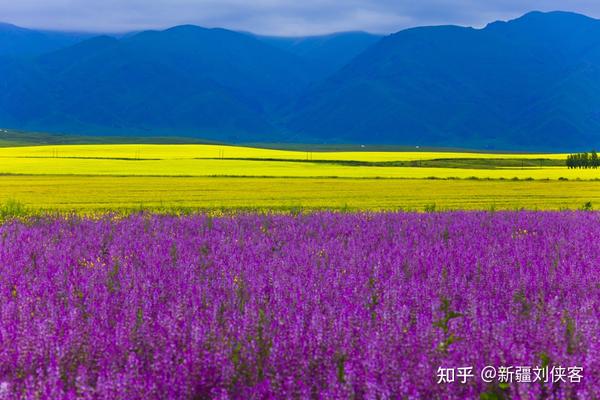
(325, 54)
(20, 42)
(189, 80)
(532, 83)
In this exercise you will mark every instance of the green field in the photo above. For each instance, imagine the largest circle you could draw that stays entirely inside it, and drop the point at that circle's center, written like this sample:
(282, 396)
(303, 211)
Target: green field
(132, 176)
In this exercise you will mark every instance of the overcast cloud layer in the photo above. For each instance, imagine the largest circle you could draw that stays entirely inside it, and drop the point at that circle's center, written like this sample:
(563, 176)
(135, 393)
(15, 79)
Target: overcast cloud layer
(276, 17)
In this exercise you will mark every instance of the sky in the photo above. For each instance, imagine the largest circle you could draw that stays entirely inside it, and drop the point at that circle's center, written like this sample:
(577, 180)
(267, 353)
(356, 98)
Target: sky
(273, 17)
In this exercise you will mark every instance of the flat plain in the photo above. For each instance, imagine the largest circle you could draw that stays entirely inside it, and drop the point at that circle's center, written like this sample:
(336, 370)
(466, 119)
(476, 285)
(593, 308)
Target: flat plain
(89, 193)
(109, 177)
(213, 160)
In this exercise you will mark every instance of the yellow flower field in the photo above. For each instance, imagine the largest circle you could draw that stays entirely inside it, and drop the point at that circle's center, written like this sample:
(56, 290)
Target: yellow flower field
(115, 177)
(191, 151)
(210, 160)
(112, 193)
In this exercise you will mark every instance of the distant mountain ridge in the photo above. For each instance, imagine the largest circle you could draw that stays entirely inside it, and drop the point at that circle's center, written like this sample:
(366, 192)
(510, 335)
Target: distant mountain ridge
(532, 83)
(187, 80)
(528, 83)
(328, 53)
(20, 42)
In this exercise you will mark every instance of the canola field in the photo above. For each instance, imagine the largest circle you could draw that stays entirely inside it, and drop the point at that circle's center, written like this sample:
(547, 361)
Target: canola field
(194, 151)
(106, 193)
(212, 160)
(104, 177)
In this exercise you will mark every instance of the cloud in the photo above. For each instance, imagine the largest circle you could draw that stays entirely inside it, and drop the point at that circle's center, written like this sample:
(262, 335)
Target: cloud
(278, 17)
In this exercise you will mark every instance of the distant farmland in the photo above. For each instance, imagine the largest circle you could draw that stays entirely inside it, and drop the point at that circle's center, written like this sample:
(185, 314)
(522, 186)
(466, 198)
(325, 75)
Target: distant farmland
(105, 177)
(212, 160)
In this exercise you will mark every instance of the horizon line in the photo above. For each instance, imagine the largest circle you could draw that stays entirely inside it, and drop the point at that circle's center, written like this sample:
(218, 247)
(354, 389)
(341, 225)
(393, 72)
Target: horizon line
(244, 31)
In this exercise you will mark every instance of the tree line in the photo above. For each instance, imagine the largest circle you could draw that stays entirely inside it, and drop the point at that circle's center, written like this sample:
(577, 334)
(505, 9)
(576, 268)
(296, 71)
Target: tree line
(583, 160)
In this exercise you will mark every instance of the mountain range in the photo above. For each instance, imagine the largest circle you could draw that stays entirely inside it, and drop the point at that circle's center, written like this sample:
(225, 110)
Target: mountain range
(532, 83)
(20, 42)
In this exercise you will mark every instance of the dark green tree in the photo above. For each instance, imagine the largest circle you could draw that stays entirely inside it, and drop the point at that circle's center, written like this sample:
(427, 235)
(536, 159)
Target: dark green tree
(585, 160)
(594, 162)
(570, 164)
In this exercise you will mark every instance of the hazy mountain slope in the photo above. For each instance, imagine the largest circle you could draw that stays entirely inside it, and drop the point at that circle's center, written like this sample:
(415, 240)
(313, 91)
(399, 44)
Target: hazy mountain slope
(186, 80)
(20, 42)
(528, 82)
(532, 83)
(328, 53)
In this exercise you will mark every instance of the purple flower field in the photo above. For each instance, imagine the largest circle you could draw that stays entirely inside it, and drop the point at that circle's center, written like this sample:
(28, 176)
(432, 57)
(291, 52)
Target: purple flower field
(325, 305)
